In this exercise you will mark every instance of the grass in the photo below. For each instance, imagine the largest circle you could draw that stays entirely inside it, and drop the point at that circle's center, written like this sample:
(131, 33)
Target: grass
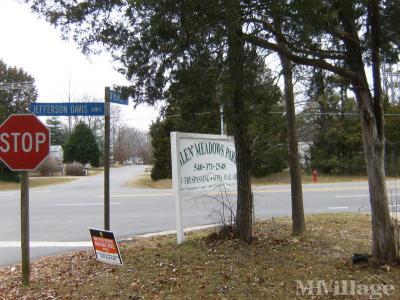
(96, 171)
(36, 182)
(144, 181)
(283, 177)
(202, 268)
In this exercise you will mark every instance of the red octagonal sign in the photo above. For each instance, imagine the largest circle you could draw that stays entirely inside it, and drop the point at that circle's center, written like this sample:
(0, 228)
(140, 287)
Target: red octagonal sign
(24, 142)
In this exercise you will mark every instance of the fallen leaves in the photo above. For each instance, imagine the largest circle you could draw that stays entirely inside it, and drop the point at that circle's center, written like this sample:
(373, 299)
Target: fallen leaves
(204, 268)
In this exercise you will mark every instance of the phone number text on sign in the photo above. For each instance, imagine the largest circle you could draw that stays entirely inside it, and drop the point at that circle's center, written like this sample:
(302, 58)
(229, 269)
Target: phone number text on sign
(207, 164)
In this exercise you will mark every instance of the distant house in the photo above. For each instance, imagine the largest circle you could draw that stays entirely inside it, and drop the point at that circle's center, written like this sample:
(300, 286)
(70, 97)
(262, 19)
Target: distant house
(138, 161)
(305, 153)
(57, 152)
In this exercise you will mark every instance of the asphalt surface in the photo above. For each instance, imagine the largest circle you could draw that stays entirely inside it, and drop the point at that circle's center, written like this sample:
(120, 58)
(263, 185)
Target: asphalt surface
(64, 213)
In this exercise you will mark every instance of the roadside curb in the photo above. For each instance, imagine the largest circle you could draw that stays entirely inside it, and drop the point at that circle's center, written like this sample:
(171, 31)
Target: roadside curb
(168, 232)
(88, 244)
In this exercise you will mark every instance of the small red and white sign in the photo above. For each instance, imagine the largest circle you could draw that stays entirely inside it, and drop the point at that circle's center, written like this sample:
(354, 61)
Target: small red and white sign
(105, 246)
(24, 142)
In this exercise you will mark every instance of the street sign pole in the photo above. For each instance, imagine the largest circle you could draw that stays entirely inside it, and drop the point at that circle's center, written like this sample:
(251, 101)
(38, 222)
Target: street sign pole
(107, 159)
(25, 228)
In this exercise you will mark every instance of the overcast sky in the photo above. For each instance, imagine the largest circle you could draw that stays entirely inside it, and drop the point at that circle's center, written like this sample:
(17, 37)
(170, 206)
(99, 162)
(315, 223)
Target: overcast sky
(32, 44)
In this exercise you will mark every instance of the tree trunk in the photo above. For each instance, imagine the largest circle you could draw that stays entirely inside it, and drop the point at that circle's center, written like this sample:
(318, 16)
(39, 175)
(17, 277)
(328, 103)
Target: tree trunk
(298, 223)
(239, 121)
(245, 197)
(383, 241)
(372, 120)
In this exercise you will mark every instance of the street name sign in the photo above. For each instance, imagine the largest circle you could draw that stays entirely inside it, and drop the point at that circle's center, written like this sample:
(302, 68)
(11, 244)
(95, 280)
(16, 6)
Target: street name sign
(68, 109)
(24, 142)
(116, 97)
(105, 246)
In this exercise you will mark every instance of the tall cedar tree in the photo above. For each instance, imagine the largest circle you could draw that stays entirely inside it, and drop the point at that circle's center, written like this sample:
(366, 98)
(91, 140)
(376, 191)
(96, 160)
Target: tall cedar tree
(198, 86)
(338, 36)
(191, 106)
(298, 222)
(150, 38)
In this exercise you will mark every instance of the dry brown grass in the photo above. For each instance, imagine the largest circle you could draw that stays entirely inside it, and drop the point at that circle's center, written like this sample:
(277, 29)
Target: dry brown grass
(145, 181)
(284, 178)
(96, 171)
(36, 182)
(202, 269)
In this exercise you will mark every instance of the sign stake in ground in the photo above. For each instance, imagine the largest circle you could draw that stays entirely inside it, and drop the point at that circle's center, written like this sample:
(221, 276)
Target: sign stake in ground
(24, 145)
(107, 159)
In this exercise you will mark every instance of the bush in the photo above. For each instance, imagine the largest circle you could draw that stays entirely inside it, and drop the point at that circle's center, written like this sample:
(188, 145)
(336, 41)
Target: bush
(7, 175)
(48, 167)
(161, 143)
(268, 159)
(75, 169)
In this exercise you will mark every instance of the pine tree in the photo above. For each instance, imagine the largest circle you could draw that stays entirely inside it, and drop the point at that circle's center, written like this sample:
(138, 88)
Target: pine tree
(58, 131)
(81, 146)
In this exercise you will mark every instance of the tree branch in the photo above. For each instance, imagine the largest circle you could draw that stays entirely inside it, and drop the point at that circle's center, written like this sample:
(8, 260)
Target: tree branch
(323, 54)
(319, 63)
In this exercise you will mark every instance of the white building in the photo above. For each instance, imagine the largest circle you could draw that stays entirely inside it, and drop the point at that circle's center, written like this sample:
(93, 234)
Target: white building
(57, 152)
(304, 153)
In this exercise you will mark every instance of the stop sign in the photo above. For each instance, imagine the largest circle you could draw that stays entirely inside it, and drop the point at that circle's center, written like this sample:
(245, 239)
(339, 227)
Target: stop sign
(24, 142)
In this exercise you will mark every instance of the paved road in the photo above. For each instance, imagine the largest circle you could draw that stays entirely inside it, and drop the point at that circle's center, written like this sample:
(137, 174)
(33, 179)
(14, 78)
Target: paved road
(63, 213)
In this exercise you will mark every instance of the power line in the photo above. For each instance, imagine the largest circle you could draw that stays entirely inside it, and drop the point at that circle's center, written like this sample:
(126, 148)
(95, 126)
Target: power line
(270, 112)
(168, 116)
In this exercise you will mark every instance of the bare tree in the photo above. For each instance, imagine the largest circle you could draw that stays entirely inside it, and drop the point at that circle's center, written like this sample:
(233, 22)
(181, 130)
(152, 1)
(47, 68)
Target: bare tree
(131, 143)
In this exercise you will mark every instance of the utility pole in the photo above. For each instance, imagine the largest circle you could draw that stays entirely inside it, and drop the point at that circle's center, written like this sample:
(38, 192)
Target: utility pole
(222, 120)
(107, 159)
(390, 81)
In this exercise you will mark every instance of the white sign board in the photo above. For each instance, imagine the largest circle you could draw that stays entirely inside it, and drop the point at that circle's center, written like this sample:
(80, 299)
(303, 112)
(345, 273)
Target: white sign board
(201, 163)
(206, 164)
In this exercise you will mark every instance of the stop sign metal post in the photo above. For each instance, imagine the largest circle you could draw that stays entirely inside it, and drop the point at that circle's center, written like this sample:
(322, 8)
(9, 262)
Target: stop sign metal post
(24, 145)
